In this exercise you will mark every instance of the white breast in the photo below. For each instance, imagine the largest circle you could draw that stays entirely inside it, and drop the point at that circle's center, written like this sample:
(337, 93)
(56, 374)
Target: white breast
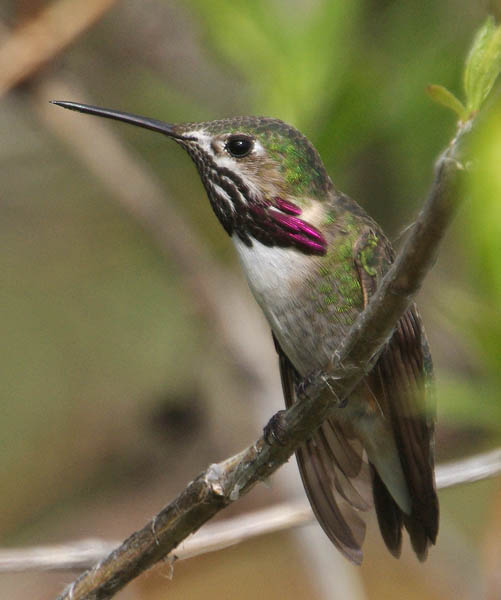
(273, 273)
(275, 276)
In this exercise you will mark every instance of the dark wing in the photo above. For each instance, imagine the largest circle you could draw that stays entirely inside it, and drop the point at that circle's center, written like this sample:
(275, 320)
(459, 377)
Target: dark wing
(333, 464)
(401, 382)
(335, 475)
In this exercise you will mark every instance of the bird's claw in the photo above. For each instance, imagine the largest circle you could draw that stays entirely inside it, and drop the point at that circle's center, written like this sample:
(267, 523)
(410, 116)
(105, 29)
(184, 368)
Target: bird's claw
(274, 431)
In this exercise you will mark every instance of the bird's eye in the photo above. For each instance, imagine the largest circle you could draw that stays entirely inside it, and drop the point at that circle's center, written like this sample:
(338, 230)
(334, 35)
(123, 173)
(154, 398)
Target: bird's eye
(239, 145)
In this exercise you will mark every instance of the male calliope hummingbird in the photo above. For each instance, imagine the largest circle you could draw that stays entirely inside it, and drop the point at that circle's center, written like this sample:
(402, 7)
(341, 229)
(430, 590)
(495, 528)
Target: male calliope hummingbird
(312, 258)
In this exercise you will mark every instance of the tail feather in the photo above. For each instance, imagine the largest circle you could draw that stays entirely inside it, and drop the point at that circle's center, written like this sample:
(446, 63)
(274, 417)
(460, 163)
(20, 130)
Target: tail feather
(389, 515)
(385, 426)
(374, 431)
(399, 380)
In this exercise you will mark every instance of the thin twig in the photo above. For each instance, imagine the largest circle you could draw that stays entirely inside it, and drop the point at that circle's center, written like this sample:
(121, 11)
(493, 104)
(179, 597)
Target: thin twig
(469, 470)
(85, 553)
(225, 482)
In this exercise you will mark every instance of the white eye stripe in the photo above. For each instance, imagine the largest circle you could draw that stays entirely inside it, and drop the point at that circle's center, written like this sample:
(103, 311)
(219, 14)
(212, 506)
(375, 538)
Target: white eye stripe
(258, 148)
(226, 161)
(201, 139)
(207, 145)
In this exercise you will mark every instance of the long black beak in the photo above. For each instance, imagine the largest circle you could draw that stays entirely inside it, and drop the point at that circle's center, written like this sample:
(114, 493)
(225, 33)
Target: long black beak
(153, 124)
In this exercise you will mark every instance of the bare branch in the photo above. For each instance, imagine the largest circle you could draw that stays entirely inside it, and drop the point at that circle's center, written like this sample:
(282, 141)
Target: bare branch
(85, 553)
(74, 556)
(469, 470)
(225, 482)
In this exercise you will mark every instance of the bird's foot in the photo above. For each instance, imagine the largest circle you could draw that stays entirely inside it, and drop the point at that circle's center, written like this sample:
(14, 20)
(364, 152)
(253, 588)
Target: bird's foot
(274, 431)
(315, 382)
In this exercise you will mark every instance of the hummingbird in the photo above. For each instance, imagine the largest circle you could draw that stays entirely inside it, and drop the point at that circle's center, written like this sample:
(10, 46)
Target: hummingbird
(313, 257)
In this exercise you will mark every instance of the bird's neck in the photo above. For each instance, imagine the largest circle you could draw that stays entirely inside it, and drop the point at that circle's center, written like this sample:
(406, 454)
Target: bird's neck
(282, 223)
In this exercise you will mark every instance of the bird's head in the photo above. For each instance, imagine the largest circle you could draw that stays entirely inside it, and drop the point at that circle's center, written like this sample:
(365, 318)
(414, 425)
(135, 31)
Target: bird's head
(259, 173)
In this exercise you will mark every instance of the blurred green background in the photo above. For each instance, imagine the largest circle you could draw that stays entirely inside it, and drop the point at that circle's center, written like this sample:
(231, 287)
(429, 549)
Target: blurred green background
(117, 385)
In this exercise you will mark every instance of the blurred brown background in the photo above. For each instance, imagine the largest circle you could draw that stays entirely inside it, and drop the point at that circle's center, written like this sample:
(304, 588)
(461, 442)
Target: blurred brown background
(132, 353)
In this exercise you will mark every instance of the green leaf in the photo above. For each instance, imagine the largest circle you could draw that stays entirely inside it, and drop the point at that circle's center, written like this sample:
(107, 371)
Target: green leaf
(483, 65)
(443, 96)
